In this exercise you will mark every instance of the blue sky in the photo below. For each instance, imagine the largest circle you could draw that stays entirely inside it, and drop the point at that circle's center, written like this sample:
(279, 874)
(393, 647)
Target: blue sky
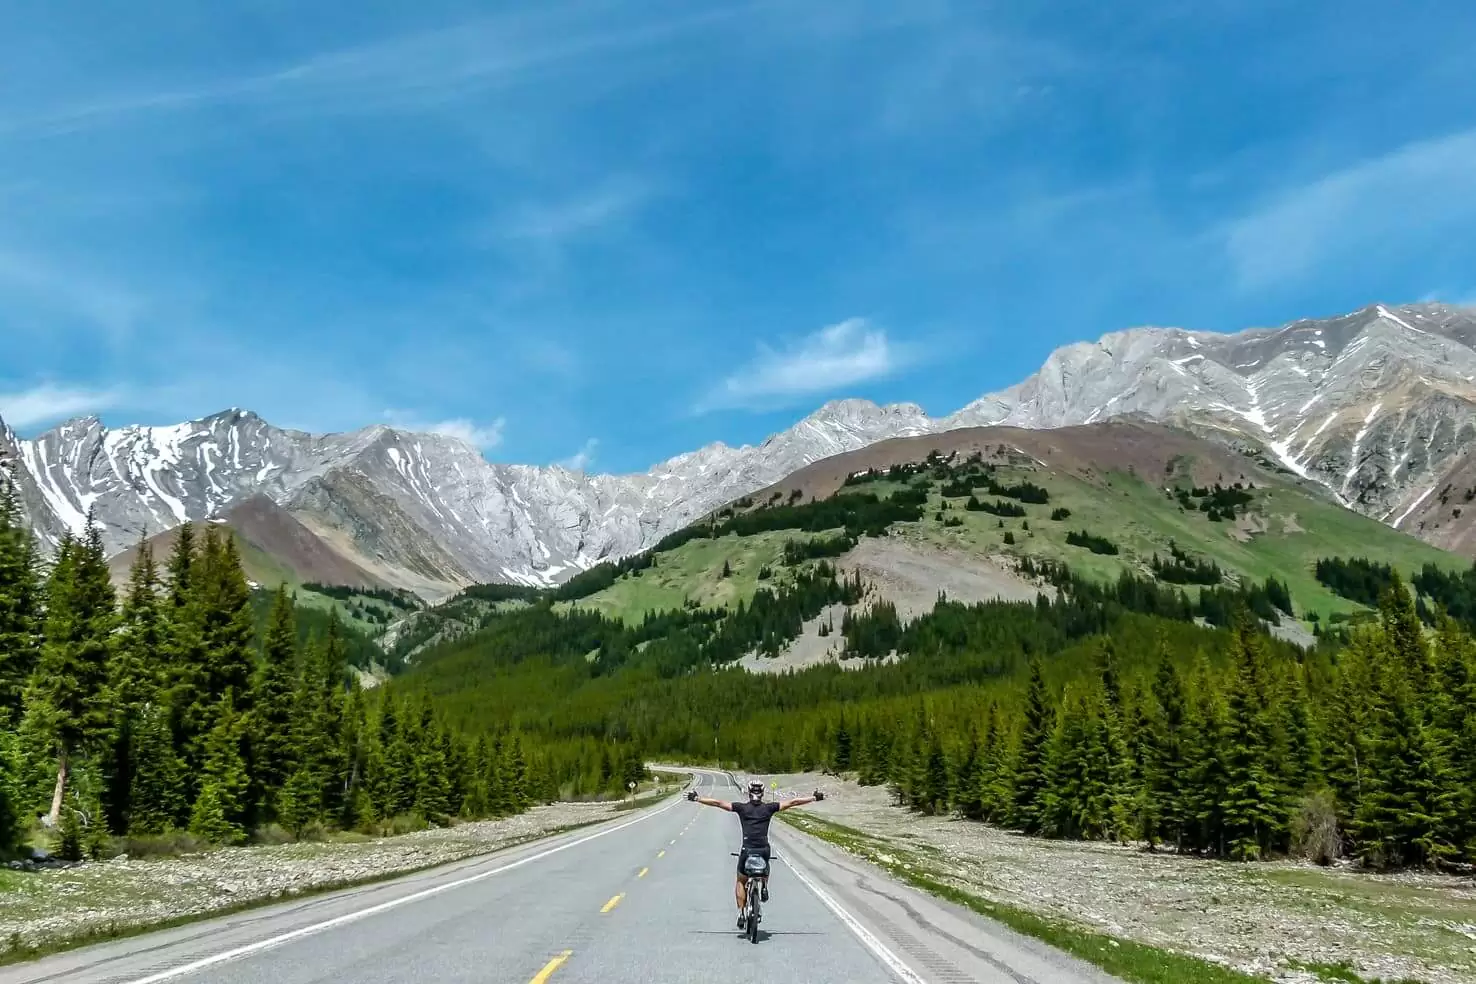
(612, 232)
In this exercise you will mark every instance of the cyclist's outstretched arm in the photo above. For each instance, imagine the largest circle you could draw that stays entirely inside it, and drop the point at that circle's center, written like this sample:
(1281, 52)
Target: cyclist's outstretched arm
(801, 801)
(707, 801)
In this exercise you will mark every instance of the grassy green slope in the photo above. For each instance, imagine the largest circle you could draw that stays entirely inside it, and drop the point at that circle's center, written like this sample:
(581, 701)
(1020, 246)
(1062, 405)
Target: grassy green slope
(1291, 531)
(694, 571)
(1287, 532)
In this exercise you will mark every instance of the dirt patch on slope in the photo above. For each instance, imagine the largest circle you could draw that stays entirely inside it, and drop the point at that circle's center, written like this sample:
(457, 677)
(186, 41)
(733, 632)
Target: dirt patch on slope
(912, 575)
(909, 575)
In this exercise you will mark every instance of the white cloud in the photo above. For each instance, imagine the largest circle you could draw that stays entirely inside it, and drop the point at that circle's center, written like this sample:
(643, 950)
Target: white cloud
(841, 355)
(1378, 207)
(49, 403)
(552, 225)
(482, 436)
(583, 458)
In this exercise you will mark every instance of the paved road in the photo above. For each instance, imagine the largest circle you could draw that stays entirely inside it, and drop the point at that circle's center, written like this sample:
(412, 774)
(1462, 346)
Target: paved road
(646, 898)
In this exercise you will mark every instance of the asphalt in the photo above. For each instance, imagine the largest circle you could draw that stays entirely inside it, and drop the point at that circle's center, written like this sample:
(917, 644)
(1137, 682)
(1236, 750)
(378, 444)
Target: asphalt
(644, 898)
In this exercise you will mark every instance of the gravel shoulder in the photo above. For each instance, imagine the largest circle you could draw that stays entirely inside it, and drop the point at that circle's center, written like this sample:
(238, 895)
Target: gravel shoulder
(48, 909)
(1262, 919)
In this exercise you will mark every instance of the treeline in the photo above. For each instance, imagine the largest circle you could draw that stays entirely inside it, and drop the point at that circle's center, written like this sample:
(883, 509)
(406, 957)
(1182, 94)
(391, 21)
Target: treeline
(796, 552)
(1217, 502)
(1372, 755)
(1077, 718)
(339, 592)
(1180, 568)
(1268, 600)
(359, 650)
(1356, 578)
(1090, 541)
(997, 508)
(588, 644)
(1439, 591)
(172, 713)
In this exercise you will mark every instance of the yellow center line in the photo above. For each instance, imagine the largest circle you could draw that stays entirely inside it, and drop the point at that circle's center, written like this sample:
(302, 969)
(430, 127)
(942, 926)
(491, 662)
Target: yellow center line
(612, 903)
(551, 966)
(644, 872)
(661, 855)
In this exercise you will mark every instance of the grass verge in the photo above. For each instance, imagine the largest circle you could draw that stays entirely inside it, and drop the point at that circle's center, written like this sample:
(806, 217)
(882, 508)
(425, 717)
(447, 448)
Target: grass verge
(1127, 959)
(14, 953)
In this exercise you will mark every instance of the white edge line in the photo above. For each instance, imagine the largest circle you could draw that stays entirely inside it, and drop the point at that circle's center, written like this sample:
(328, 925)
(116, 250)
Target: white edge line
(865, 935)
(348, 917)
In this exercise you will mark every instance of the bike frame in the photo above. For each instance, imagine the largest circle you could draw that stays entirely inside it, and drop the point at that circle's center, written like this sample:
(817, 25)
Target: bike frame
(754, 906)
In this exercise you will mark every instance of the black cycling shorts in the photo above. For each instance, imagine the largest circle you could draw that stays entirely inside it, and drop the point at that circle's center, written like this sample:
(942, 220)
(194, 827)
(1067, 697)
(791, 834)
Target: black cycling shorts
(743, 855)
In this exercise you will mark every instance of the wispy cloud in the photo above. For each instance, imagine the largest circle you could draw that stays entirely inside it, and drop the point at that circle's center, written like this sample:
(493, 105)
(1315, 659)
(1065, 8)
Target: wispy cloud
(483, 436)
(583, 458)
(844, 354)
(553, 225)
(418, 69)
(49, 403)
(1386, 203)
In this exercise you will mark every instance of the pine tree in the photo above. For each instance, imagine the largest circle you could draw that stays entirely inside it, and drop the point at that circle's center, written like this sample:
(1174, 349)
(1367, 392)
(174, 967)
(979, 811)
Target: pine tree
(1030, 776)
(299, 802)
(274, 751)
(133, 682)
(20, 604)
(187, 677)
(1405, 636)
(1253, 809)
(224, 775)
(11, 810)
(68, 691)
(156, 798)
(995, 779)
(933, 792)
(1408, 813)
(1208, 772)
(227, 625)
(208, 819)
(968, 780)
(841, 754)
(1167, 814)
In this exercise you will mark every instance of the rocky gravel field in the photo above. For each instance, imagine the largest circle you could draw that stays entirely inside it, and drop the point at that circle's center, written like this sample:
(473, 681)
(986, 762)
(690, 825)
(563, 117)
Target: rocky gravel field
(1261, 918)
(47, 908)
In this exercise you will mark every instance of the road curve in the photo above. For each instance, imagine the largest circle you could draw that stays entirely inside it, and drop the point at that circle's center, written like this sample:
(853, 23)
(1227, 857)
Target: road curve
(644, 898)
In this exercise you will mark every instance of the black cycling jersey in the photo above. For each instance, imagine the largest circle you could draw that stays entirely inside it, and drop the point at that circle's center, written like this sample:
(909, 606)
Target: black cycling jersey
(755, 819)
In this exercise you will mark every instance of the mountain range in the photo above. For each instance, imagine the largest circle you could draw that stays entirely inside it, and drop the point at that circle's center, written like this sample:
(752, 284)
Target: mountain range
(1376, 409)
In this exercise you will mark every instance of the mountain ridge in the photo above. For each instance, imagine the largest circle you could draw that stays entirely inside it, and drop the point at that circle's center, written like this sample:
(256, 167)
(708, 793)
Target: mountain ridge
(1376, 407)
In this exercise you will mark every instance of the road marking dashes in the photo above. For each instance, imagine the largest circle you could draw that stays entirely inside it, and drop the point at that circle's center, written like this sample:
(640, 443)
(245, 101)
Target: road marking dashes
(643, 873)
(551, 966)
(612, 903)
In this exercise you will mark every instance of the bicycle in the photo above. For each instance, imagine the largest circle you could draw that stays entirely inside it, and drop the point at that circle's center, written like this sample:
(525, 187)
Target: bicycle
(755, 867)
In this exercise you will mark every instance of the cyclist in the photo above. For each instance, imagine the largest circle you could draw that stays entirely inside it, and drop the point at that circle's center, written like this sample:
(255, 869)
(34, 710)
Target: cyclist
(754, 815)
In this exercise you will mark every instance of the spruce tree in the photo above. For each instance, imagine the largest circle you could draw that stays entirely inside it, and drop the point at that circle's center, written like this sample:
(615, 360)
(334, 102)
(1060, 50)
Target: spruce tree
(968, 780)
(274, 752)
(224, 776)
(1407, 815)
(69, 690)
(187, 678)
(227, 625)
(156, 800)
(1254, 813)
(1030, 773)
(133, 682)
(20, 604)
(1167, 767)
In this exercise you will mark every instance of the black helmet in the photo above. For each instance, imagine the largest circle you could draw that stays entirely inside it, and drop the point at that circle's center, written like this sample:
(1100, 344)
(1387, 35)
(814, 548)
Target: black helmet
(756, 790)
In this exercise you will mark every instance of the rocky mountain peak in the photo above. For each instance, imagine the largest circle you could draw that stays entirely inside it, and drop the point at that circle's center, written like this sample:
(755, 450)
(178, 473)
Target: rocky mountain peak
(1378, 407)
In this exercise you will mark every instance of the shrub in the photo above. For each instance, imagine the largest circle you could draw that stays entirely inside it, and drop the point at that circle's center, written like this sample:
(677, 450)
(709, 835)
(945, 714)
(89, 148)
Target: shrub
(1314, 829)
